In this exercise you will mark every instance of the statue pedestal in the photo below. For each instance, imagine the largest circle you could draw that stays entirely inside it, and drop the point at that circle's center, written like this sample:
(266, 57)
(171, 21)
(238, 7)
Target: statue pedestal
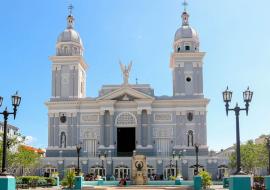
(139, 170)
(139, 178)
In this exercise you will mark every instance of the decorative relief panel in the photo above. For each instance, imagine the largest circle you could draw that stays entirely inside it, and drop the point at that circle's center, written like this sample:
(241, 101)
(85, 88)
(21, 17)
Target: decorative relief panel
(163, 132)
(163, 117)
(89, 133)
(126, 119)
(89, 118)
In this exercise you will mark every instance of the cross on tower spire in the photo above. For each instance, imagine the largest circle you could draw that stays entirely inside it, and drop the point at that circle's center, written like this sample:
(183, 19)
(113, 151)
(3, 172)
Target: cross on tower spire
(185, 4)
(70, 9)
(185, 15)
(70, 18)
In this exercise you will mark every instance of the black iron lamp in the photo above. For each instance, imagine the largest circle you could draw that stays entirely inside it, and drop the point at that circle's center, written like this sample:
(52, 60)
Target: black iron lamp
(197, 158)
(268, 147)
(227, 97)
(78, 148)
(247, 96)
(102, 157)
(1, 100)
(177, 157)
(16, 100)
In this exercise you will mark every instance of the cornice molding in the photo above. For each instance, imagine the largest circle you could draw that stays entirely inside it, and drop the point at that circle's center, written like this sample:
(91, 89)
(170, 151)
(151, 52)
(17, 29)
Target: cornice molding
(68, 60)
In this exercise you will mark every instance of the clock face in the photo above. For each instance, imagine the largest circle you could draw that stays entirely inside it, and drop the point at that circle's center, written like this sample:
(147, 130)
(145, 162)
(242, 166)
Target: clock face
(63, 118)
(65, 78)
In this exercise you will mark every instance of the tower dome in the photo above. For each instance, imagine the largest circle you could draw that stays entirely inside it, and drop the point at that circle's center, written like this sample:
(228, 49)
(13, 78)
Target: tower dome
(69, 42)
(186, 38)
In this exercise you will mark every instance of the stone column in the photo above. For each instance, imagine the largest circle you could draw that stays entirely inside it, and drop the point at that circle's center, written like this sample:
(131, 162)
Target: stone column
(138, 129)
(149, 128)
(50, 129)
(111, 141)
(102, 124)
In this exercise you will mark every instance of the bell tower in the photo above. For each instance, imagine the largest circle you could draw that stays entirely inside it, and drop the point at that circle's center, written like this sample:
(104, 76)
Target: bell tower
(187, 61)
(69, 67)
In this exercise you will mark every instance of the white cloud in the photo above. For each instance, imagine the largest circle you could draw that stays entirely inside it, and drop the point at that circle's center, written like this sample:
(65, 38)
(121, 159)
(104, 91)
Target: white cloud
(29, 140)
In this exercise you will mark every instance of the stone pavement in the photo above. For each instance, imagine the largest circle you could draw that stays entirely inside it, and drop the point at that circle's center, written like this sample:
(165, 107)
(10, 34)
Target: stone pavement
(216, 187)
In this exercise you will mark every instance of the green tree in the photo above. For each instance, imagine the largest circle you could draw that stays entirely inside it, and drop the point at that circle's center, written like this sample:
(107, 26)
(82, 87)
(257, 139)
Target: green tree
(17, 156)
(25, 159)
(252, 156)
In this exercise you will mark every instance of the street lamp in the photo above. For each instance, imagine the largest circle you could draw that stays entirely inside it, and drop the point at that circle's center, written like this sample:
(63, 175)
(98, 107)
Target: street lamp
(268, 146)
(102, 157)
(177, 157)
(227, 97)
(78, 148)
(16, 100)
(197, 159)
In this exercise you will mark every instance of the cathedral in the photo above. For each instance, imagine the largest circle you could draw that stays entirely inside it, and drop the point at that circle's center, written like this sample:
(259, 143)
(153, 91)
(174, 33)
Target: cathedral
(127, 119)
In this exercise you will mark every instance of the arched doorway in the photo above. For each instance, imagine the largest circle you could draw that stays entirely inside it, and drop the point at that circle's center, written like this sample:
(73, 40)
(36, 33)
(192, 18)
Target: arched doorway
(126, 123)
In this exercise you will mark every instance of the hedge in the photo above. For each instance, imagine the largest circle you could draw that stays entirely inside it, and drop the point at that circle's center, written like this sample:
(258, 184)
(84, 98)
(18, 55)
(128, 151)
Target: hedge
(36, 181)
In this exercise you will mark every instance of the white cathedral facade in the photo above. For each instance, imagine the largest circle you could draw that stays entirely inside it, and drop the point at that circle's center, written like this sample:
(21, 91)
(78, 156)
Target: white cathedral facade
(128, 118)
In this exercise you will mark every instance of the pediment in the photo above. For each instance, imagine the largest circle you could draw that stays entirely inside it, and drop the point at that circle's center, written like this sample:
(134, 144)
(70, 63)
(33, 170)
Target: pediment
(125, 94)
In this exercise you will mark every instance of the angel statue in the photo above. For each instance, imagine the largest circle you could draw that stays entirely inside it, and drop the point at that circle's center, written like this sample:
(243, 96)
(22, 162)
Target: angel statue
(125, 70)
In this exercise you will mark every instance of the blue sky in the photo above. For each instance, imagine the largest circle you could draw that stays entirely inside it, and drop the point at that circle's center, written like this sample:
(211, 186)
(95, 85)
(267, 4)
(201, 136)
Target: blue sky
(235, 35)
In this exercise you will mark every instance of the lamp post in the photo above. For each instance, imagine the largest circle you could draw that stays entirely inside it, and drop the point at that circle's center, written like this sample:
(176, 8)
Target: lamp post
(268, 147)
(78, 148)
(197, 159)
(102, 157)
(227, 97)
(16, 100)
(177, 157)
(170, 168)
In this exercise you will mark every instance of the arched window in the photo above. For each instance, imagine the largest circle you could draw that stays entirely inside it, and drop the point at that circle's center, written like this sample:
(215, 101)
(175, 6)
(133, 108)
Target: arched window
(151, 171)
(121, 171)
(66, 50)
(48, 170)
(187, 48)
(178, 49)
(75, 51)
(63, 140)
(169, 170)
(71, 167)
(190, 138)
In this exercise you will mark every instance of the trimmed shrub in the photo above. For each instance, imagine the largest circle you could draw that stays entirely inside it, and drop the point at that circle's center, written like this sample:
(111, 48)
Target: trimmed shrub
(206, 179)
(34, 181)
